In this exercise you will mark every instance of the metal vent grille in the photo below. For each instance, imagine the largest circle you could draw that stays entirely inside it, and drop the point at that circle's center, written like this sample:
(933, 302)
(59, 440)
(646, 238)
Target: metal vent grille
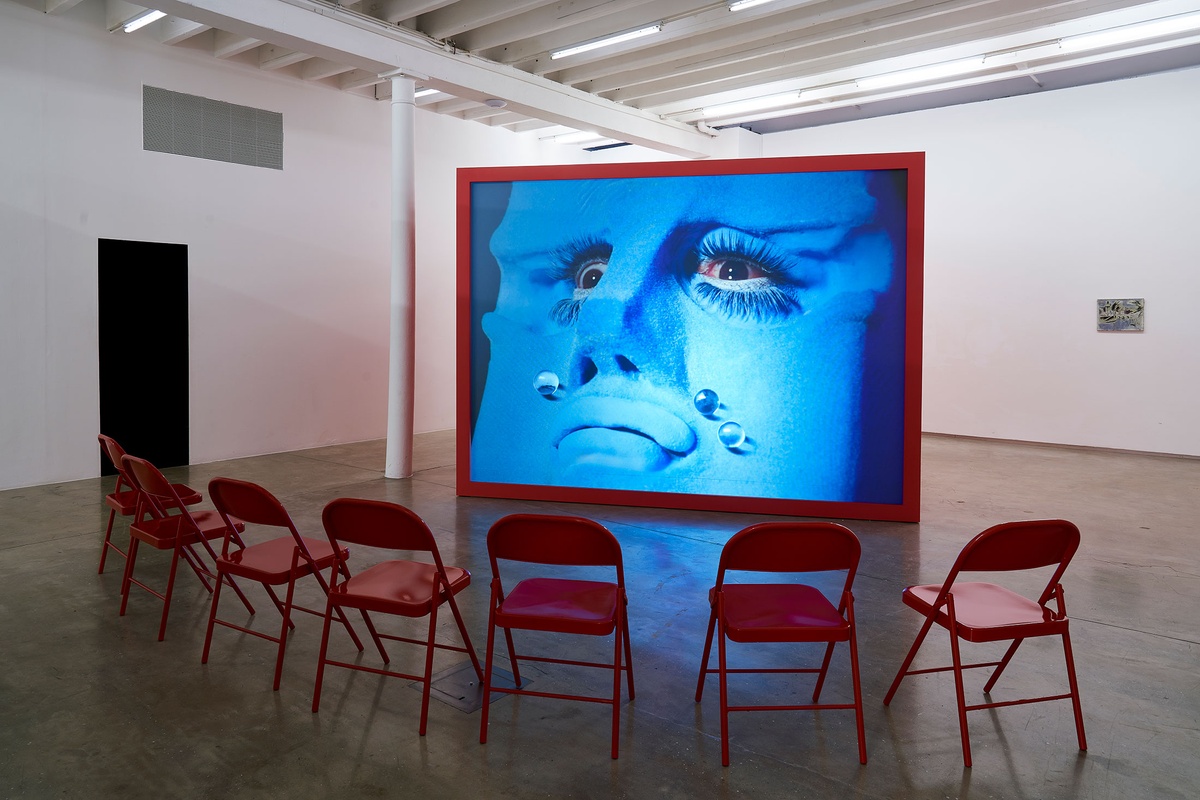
(187, 125)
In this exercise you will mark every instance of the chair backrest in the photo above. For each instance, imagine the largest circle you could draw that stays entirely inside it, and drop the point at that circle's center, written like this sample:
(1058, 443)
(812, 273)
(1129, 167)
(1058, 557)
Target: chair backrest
(145, 477)
(113, 451)
(374, 523)
(248, 502)
(1012, 546)
(792, 547)
(553, 539)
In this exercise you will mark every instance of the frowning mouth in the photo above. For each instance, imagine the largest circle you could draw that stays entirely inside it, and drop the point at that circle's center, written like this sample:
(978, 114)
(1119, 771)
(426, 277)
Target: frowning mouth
(614, 432)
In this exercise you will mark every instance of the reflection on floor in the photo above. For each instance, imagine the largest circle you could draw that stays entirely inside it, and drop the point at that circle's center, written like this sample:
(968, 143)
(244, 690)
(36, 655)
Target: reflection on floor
(93, 706)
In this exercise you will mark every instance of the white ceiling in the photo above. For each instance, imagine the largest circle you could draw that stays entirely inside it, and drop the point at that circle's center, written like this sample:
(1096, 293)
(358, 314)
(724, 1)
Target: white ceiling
(660, 90)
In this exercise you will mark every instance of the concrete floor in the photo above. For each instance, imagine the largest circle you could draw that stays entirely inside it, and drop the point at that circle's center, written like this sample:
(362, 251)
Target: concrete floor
(93, 706)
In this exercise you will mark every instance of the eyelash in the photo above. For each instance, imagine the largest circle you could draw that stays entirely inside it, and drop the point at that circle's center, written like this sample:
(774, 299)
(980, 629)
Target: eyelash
(751, 305)
(568, 261)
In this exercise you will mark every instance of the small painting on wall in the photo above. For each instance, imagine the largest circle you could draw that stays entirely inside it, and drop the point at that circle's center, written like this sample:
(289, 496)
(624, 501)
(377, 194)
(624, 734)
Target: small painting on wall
(1121, 315)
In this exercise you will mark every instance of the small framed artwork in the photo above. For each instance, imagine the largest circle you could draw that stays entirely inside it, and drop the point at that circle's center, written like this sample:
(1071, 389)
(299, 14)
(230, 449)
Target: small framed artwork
(1121, 315)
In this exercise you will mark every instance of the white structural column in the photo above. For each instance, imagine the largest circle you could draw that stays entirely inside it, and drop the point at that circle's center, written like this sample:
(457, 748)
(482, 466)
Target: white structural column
(398, 461)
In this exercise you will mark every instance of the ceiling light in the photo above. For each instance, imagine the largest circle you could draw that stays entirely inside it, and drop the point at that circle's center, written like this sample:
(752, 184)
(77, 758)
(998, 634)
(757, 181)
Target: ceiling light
(738, 5)
(753, 104)
(932, 72)
(495, 102)
(424, 93)
(579, 137)
(606, 41)
(142, 20)
(1126, 34)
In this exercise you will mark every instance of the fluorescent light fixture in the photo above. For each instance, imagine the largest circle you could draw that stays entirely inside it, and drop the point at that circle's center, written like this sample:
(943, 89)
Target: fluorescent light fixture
(579, 137)
(424, 93)
(947, 69)
(142, 20)
(738, 5)
(606, 41)
(751, 105)
(1126, 34)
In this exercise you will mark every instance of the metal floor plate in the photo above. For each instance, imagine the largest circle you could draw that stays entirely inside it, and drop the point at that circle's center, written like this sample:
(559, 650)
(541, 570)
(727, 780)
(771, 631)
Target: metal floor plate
(459, 686)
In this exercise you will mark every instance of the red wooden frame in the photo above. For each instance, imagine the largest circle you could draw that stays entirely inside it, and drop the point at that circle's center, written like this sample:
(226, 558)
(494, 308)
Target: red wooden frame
(907, 510)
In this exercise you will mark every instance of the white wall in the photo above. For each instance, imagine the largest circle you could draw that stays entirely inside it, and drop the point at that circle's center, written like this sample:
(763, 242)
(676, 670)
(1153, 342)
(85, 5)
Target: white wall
(1037, 206)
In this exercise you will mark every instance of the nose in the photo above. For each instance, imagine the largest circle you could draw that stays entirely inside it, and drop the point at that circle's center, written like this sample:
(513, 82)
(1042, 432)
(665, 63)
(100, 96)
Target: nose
(627, 324)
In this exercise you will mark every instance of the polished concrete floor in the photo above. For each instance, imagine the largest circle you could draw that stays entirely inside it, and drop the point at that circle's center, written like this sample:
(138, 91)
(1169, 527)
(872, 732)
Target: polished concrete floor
(93, 706)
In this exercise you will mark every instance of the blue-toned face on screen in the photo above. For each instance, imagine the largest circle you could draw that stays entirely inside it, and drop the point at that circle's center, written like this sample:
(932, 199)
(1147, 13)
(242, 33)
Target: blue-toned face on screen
(701, 334)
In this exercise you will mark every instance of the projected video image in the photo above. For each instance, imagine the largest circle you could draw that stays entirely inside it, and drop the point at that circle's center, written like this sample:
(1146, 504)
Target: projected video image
(707, 335)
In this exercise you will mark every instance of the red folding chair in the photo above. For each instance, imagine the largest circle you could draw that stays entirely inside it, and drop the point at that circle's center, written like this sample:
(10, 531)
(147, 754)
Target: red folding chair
(272, 562)
(557, 605)
(125, 501)
(985, 612)
(163, 530)
(784, 612)
(399, 587)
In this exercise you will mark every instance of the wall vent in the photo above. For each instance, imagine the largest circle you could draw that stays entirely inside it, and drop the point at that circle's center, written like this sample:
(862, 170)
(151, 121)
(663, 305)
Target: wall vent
(187, 125)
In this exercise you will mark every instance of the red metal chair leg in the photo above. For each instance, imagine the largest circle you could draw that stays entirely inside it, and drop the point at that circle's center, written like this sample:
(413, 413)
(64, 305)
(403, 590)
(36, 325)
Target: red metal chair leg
(162, 626)
(724, 690)
(487, 673)
(286, 613)
(908, 659)
(1008, 654)
(212, 619)
(960, 694)
(854, 675)
(1075, 704)
(321, 656)
(127, 576)
(427, 681)
(112, 515)
(628, 649)
(618, 640)
(708, 638)
(816, 695)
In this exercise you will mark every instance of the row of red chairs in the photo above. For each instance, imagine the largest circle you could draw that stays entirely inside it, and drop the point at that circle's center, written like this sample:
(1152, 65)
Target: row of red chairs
(739, 612)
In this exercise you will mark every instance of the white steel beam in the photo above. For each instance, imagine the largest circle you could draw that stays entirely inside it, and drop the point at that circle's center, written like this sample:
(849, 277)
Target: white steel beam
(371, 45)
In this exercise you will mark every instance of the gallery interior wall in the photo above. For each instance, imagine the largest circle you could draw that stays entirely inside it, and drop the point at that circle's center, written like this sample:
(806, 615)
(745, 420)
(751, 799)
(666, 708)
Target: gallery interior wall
(1037, 206)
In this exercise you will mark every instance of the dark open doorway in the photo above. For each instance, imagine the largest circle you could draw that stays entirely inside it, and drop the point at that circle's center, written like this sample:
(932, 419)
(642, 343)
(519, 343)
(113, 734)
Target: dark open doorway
(143, 296)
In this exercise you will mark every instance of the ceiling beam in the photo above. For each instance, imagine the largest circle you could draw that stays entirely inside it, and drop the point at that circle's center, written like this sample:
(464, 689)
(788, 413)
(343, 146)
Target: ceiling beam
(59, 6)
(467, 15)
(228, 44)
(272, 57)
(373, 46)
(174, 30)
(535, 23)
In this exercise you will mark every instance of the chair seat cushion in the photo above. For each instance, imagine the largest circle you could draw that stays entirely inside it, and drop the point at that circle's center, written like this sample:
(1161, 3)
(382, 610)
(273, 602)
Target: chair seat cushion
(986, 611)
(781, 612)
(271, 561)
(558, 604)
(397, 587)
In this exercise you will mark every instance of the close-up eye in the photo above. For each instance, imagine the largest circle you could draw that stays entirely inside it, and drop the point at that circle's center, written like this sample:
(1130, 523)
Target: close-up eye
(581, 262)
(588, 275)
(729, 268)
(742, 277)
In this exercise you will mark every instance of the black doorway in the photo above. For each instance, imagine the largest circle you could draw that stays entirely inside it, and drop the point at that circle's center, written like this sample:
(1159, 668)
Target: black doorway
(143, 297)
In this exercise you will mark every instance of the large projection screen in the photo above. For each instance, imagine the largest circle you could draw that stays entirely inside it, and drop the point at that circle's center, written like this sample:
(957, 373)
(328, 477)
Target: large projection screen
(731, 335)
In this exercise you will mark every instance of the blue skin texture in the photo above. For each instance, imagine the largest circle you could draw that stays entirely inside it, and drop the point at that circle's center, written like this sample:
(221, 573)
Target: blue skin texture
(639, 293)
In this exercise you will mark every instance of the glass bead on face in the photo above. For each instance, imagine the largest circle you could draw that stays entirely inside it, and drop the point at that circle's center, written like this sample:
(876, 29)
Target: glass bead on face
(706, 401)
(731, 435)
(546, 383)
